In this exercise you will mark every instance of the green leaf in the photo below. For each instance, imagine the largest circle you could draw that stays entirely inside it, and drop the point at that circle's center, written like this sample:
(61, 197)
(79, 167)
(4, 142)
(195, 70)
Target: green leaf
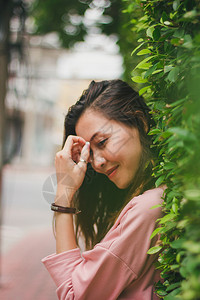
(183, 272)
(150, 31)
(174, 267)
(166, 134)
(164, 17)
(159, 180)
(168, 23)
(139, 79)
(156, 231)
(167, 218)
(192, 247)
(175, 208)
(144, 89)
(161, 292)
(154, 131)
(172, 295)
(157, 71)
(144, 66)
(150, 71)
(143, 52)
(143, 63)
(175, 42)
(177, 244)
(193, 194)
(156, 206)
(190, 14)
(188, 43)
(169, 226)
(144, 18)
(173, 286)
(168, 68)
(176, 4)
(169, 165)
(176, 103)
(179, 255)
(138, 47)
(154, 250)
(182, 133)
(182, 224)
(173, 74)
(179, 33)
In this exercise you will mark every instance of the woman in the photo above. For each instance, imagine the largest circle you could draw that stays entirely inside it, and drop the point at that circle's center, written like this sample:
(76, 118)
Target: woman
(104, 170)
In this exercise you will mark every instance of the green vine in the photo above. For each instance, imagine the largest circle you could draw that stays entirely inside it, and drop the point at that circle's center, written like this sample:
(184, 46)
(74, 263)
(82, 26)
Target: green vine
(168, 76)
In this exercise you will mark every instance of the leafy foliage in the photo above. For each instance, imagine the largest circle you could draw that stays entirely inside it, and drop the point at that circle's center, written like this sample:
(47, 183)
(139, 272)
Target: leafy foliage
(169, 76)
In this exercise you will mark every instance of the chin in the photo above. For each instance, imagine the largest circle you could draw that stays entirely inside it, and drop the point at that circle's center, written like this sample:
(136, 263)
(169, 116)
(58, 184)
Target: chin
(125, 184)
(122, 185)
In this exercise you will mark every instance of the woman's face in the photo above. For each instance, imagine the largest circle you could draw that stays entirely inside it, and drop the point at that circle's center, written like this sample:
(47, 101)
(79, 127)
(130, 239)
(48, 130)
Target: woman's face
(115, 149)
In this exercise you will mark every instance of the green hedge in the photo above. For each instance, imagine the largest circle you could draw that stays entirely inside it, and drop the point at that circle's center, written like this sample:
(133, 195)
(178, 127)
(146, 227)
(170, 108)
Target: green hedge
(168, 76)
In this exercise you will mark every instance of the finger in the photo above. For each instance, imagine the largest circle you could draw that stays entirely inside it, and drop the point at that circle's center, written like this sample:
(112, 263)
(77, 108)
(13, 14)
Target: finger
(70, 142)
(85, 154)
(76, 156)
(76, 152)
(77, 148)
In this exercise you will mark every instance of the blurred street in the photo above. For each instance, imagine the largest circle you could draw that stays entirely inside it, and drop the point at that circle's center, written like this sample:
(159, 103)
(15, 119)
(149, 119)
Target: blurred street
(26, 235)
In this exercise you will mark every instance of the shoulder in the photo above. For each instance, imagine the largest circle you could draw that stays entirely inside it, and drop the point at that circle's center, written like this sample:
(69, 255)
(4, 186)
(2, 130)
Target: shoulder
(137, 218)
(149, 198)
(137, 222)
(147, 206)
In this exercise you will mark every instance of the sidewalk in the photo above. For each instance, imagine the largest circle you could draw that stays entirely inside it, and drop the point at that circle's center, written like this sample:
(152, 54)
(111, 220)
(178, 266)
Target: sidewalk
(23, 275)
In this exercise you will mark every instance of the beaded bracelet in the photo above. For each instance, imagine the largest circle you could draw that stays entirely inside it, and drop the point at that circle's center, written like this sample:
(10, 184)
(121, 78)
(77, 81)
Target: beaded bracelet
(62, 209)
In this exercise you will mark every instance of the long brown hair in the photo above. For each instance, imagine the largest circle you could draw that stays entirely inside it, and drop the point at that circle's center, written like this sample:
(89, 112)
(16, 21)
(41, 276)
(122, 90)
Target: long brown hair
(99, 199)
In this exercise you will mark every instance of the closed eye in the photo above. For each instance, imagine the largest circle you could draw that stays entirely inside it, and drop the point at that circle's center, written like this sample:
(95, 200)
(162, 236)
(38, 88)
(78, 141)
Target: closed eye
(101, 143)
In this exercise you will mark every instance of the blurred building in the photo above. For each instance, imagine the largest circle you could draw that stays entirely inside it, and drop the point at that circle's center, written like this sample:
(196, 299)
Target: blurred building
(40, 90)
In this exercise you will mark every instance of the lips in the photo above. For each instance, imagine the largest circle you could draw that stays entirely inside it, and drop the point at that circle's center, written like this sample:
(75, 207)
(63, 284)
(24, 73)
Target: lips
(111, 170)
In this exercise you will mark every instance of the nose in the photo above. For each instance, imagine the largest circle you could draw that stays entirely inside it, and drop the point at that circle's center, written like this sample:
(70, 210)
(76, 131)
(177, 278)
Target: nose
(98, 161)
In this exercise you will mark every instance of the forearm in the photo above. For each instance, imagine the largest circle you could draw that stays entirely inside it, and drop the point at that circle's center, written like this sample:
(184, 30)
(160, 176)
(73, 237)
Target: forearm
(71, 166)
(65, 236)
(64, 227)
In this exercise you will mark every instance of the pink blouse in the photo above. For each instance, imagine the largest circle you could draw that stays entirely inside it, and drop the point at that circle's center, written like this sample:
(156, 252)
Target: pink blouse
(118, 267)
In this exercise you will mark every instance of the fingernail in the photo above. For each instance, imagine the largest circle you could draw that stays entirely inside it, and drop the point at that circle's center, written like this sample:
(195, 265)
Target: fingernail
(88, 144)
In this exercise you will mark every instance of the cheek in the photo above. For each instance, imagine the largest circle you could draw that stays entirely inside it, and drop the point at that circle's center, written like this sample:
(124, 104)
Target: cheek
(136, 159)
(114, 150)
(112, 154)
(133, 155)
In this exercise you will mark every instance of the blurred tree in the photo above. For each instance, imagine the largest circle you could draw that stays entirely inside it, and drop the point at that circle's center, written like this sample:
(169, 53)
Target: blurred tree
(62, 17)
(70, 21)
(9, 9)
(67, 18)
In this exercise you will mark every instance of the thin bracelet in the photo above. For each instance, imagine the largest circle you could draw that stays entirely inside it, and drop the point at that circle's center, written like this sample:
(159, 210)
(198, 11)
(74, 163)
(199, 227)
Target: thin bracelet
(66, 210)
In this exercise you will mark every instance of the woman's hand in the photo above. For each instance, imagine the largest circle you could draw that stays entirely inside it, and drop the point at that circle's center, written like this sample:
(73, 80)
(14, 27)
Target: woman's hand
(70, 169)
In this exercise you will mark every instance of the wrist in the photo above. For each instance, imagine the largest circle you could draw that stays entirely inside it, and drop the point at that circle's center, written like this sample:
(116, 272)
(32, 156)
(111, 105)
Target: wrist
(64, 196)
(63, 209)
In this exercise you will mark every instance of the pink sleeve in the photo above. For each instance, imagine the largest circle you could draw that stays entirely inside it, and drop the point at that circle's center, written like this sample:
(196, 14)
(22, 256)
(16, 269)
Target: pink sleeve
(105, 271)
(98, 275)
(137, 226)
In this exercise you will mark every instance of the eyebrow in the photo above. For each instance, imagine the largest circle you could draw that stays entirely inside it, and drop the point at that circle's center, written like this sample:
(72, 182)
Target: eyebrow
(96, 134)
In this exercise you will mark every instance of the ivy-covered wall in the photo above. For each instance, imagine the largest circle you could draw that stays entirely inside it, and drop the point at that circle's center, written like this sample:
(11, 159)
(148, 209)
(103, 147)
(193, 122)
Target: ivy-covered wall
(167, 34)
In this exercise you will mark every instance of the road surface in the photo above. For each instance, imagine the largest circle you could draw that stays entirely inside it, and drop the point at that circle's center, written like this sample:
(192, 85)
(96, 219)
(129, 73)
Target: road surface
(26, 234)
